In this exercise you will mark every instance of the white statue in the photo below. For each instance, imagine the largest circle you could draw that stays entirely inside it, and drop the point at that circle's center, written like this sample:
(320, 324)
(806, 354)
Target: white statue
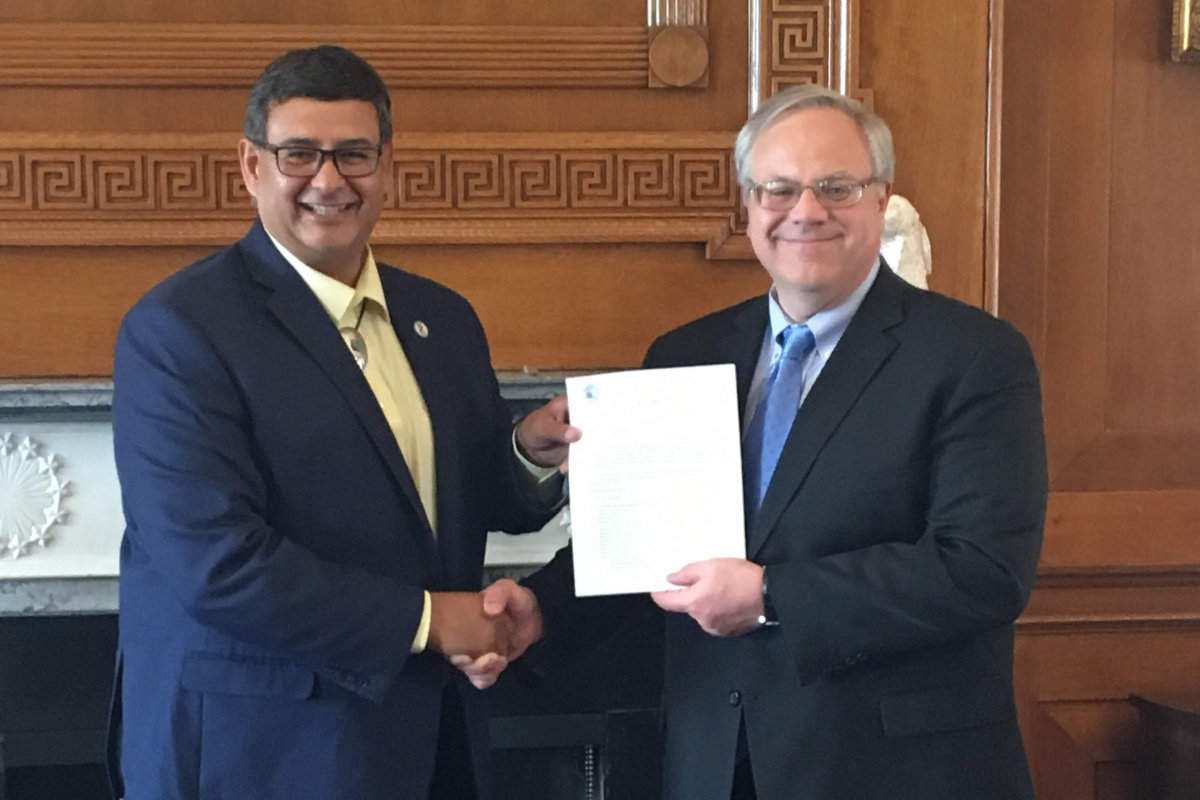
(905, 242)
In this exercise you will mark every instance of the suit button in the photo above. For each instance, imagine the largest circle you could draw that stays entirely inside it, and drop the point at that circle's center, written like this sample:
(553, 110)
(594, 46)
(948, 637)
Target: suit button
(735, 698)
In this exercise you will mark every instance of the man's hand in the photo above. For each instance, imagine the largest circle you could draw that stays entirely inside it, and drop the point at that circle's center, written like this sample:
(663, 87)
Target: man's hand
(508, 600)
(724, 595)
(545, 435)
(458, 625)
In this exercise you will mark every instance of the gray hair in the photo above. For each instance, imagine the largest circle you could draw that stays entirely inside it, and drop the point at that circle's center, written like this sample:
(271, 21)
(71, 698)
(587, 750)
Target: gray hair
(799, 98)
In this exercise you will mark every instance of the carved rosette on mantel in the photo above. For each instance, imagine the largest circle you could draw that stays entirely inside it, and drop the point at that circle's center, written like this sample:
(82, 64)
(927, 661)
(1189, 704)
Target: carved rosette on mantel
(31, 495)
(150, 189)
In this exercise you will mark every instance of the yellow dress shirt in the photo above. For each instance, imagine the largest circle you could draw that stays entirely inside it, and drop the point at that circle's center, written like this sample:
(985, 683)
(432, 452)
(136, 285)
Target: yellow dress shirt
(390, 377)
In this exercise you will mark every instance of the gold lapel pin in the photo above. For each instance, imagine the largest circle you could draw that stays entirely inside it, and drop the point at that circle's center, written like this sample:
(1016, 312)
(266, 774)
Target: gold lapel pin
(421, 328)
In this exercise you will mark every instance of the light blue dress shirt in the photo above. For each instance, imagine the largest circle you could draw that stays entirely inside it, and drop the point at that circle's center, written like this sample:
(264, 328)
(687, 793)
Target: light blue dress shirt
(827, 328)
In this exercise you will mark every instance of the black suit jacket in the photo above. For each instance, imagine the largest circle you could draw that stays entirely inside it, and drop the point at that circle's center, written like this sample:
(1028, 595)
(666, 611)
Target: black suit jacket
(900, 535)
(276, 548)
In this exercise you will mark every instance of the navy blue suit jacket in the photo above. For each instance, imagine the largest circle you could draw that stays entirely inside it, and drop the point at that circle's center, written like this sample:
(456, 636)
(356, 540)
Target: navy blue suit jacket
(900, 535)
(276, 549)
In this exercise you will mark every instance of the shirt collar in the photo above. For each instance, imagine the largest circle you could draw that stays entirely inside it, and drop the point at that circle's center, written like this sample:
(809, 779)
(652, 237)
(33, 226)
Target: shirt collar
(827, 326)
(338, 299)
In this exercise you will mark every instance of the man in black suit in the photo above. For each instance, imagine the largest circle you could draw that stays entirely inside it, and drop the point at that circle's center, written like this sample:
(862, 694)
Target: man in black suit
(864, 648)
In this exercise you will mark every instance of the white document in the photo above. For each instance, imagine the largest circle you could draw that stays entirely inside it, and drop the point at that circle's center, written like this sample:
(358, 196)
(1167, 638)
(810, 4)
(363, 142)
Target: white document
(656, 479)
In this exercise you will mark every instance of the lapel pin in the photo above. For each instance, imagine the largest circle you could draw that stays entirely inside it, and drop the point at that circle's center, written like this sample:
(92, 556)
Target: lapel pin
(421, 329)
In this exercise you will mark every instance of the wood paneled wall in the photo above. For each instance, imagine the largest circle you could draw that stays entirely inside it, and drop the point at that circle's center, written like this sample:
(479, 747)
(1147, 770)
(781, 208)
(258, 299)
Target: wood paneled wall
(1046, 143)
(1097, 262)
(582, 211)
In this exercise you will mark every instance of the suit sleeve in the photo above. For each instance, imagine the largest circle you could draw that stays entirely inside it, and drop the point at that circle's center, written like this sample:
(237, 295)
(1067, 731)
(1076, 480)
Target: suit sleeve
(575, 626)
(972, 567)
(195, 503)
(521, 502)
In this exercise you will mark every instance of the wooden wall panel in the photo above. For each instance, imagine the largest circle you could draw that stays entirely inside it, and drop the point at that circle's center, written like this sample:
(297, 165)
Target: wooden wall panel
(220, 55)
(1071, 189)
(521, 129)
(1078, 664)
(315, 12)
(545, 307)
(1094, 234)
(926, 64)
(559, 307)
(1096, 255)
(455, 90)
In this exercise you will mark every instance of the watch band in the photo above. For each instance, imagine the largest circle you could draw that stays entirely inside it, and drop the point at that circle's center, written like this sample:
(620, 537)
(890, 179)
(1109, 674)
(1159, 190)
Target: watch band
(768, 617)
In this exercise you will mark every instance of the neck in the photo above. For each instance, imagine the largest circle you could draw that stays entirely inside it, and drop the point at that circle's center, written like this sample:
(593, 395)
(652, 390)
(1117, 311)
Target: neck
(343, 273)
(800, 306)
(341, 268)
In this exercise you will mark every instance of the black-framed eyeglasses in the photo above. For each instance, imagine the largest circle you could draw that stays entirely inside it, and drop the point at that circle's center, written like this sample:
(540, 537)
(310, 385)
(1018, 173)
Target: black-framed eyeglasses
(298, 161)
(783, 194)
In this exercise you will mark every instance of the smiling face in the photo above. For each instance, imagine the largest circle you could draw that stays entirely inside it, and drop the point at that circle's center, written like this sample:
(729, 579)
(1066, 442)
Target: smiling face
(324, 220)
(816, 256)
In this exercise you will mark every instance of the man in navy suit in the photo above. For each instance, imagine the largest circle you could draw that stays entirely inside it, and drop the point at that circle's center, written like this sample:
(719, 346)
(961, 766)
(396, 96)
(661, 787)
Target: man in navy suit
(312, 448)
(864, 648)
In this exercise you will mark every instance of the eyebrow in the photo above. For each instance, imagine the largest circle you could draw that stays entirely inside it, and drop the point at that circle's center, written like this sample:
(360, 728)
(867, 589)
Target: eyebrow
(341, 144)
(833, 176)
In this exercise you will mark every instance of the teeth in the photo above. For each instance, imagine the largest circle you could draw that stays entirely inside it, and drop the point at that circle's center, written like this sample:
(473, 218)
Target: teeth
(326, 210)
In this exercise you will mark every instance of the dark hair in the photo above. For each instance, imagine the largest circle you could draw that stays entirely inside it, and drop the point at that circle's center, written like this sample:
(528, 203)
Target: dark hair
(327, 72)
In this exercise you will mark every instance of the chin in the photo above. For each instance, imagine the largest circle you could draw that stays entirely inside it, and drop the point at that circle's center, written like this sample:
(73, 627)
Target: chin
(803, 275)
(330, 235)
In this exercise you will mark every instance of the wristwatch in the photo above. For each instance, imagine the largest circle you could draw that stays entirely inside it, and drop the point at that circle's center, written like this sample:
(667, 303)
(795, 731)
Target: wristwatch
(768, 617)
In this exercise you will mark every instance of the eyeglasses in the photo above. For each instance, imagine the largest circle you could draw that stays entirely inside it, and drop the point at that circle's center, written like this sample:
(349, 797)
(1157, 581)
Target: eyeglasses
(305, 162)
(783, 194)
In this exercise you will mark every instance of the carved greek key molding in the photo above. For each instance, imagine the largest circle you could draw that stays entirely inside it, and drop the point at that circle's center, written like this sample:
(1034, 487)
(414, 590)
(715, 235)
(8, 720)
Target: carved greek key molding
(804, 41)
(117, 181)
(631, 182)
(405, 55)
(447, 188)
(798, 43)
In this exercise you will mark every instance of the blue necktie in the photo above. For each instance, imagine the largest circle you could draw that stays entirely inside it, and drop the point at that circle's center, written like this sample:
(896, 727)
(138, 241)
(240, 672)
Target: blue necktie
(777, 406)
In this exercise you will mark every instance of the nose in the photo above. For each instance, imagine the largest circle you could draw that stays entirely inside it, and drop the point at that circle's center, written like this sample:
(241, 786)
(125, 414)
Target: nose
(327, 176)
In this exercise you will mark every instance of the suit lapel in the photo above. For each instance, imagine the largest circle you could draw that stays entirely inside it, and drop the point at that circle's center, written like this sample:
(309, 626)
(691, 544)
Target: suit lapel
(861, 352)
(299, 310)
(743, 348)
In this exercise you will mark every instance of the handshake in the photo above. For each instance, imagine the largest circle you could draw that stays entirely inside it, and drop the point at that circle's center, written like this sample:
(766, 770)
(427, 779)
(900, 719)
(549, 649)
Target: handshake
(482, 633)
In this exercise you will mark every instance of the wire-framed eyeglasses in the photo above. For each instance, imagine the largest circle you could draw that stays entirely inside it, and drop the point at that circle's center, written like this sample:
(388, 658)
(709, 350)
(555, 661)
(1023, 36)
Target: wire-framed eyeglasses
(783, 194)
(298, 161)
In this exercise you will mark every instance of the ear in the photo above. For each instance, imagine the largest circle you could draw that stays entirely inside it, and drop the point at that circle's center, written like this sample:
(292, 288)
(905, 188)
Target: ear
(385, 165)
(884, 196)
(250, 160)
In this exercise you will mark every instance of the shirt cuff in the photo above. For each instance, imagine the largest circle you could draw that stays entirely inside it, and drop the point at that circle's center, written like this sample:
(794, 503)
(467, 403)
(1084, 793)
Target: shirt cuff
(422, 637)
(542, 474)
